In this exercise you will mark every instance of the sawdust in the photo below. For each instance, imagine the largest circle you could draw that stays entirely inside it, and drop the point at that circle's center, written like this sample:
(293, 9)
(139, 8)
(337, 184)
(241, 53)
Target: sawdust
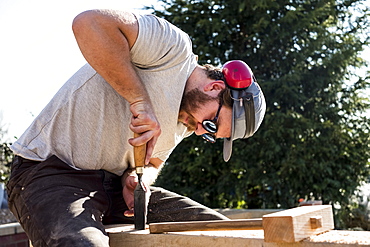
(343, 237)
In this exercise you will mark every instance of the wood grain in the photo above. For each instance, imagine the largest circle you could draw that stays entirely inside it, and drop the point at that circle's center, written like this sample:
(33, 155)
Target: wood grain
(139, 156)
(212, 225)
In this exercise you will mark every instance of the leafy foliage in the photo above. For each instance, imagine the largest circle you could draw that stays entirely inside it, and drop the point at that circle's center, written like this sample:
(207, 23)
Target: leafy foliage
(314, 142)
(6, 157)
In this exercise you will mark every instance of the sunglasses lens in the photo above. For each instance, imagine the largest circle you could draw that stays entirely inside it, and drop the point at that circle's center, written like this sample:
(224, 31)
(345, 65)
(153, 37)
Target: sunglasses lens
(208, 137)
(209, 126)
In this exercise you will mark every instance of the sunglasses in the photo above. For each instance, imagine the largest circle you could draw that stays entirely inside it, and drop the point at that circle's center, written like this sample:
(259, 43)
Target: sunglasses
(211, 127)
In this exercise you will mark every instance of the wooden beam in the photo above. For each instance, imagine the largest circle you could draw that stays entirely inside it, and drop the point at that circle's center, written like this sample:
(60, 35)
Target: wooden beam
(295, 224)
(127, 236)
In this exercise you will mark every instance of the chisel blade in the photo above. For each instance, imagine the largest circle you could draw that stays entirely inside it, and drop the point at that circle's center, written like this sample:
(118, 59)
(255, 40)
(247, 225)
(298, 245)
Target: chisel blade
(140, 203)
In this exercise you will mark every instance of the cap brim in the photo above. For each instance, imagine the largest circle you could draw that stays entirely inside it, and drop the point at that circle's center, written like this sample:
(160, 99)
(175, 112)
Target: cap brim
(240, 118)
(228, 142)
(228, 147)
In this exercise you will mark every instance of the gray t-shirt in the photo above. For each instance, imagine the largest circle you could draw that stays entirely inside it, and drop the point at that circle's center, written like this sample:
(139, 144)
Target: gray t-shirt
(86, 124)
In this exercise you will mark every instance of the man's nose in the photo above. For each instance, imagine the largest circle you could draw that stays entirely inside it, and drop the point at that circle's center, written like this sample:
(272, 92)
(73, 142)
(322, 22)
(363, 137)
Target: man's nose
(200, 130)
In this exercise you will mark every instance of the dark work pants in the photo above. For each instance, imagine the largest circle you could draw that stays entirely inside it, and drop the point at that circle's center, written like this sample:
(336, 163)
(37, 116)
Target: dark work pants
(58, 205)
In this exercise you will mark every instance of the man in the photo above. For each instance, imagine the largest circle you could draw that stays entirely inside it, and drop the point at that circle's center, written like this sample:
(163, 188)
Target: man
(141, 77)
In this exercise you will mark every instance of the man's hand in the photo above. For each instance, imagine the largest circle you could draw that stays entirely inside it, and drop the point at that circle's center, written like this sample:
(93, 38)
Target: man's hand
(144, 122)
(129, 185)
(130, 180)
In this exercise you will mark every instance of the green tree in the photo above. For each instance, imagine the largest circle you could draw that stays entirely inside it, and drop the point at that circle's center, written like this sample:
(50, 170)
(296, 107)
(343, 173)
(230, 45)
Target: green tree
(314, 141)
(6, 155)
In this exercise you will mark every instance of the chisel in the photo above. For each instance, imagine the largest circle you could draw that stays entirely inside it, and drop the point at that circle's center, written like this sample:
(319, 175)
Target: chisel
(140, 203)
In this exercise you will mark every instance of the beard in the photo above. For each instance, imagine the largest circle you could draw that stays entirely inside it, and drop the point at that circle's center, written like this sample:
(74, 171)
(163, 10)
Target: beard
(191, 101)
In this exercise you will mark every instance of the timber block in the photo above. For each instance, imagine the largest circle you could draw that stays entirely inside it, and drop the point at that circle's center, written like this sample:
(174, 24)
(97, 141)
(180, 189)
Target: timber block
(296, 224)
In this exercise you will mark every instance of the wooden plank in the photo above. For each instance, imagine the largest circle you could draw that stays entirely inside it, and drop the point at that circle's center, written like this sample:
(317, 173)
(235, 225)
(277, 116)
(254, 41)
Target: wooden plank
(132, 238)
(127, 236)
(295, 224)
(211, 225)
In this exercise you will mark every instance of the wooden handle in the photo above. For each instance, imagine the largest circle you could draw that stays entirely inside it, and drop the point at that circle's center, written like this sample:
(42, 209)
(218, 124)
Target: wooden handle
(139, 156)
(211, 225)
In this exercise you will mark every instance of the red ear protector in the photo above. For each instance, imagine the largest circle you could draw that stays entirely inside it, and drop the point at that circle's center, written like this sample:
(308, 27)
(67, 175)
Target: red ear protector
(239, 77)
(237, 74)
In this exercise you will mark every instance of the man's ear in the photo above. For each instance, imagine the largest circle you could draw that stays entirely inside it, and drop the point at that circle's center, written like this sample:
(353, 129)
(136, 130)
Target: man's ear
(214, 85)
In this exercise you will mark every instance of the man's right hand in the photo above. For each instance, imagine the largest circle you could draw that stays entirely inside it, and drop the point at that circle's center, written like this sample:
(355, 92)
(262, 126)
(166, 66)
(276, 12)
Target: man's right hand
(145, 123)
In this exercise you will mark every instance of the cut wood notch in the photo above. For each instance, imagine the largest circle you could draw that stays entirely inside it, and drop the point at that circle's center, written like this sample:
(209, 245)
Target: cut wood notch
(286, 226)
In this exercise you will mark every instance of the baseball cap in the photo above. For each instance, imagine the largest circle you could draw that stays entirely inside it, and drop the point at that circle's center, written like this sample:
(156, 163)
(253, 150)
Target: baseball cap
(249, 105)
